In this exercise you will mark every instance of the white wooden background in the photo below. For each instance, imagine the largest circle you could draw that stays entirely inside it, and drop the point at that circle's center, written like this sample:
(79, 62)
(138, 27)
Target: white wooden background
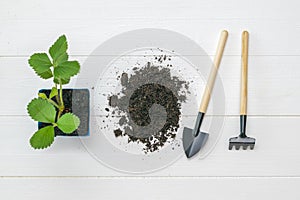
(66, 171)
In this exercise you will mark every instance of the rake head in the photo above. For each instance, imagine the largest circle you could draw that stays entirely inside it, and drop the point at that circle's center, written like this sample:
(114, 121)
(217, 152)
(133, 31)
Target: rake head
(243, 142)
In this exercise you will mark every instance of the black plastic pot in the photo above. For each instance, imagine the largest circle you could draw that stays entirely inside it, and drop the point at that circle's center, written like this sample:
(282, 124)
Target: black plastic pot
(76, 101)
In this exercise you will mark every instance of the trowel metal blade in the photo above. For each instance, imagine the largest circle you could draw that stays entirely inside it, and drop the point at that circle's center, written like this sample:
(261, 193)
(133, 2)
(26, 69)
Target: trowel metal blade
(192, 144)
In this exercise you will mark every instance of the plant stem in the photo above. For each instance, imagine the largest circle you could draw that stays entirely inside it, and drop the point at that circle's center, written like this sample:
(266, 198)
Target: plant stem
(57, 99)
(62, 106)
(61, 95)
(53, 103)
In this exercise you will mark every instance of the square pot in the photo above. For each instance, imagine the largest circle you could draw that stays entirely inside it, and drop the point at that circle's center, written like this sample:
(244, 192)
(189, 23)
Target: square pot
(76, 101)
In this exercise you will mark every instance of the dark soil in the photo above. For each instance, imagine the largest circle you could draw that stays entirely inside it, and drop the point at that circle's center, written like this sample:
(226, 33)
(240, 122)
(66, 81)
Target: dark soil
(76, 101)
(143, 99)
(149, 106)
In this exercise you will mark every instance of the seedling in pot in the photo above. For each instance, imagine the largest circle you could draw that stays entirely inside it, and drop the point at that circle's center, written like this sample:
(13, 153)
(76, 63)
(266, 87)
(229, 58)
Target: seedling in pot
(51, 109)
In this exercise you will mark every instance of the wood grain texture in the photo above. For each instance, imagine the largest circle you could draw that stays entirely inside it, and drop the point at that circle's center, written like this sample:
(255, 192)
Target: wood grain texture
(244, 74)
(214, 71)
(149, 188)
(86, 35)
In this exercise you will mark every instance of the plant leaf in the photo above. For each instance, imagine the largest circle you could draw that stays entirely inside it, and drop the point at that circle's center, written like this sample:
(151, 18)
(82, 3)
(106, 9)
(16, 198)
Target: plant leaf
(47, 74)
(42, 95)
(67, 69)
(41, 110)
(63, 81)
(53, 92)
(61, 59)
(42, 138)
(41, 64)
(68, 123)
(58, 49)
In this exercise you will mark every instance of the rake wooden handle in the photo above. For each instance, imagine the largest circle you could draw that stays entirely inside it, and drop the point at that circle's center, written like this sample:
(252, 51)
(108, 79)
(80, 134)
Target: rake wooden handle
(213, 72)
(244, 78)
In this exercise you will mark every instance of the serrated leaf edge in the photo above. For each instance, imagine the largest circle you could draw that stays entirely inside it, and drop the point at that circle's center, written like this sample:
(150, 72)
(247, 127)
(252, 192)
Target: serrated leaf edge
(55, 75)
(56, 41)
(30, 103)
(44, 147)
(38, 54)
(73, 116)
(39, 74)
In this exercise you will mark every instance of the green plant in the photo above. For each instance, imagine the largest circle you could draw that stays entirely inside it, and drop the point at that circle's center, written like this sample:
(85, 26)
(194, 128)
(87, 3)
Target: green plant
(49, 109)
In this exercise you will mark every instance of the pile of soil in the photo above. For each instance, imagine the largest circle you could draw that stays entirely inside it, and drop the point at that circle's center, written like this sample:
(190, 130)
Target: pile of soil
(149, 106)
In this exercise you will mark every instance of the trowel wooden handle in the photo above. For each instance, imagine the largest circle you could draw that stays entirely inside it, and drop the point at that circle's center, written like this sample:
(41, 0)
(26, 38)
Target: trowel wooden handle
(244, 74)
(213, 72)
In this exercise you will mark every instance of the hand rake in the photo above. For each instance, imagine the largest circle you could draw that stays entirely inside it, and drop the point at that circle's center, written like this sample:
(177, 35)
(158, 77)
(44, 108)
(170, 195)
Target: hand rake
(243, 140)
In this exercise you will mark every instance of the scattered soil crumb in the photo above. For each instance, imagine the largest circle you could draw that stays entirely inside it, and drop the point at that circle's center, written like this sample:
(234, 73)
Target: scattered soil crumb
(149, 105)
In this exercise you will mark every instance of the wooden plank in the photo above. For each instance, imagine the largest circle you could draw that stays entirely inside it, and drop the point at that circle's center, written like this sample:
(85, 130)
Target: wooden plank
(86, 35)
(148, 189)
(276, 152)
(148, 10)
(273, 85)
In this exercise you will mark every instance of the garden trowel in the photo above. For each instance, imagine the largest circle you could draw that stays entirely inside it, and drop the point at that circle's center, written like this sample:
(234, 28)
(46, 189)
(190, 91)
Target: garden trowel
(194, 139)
